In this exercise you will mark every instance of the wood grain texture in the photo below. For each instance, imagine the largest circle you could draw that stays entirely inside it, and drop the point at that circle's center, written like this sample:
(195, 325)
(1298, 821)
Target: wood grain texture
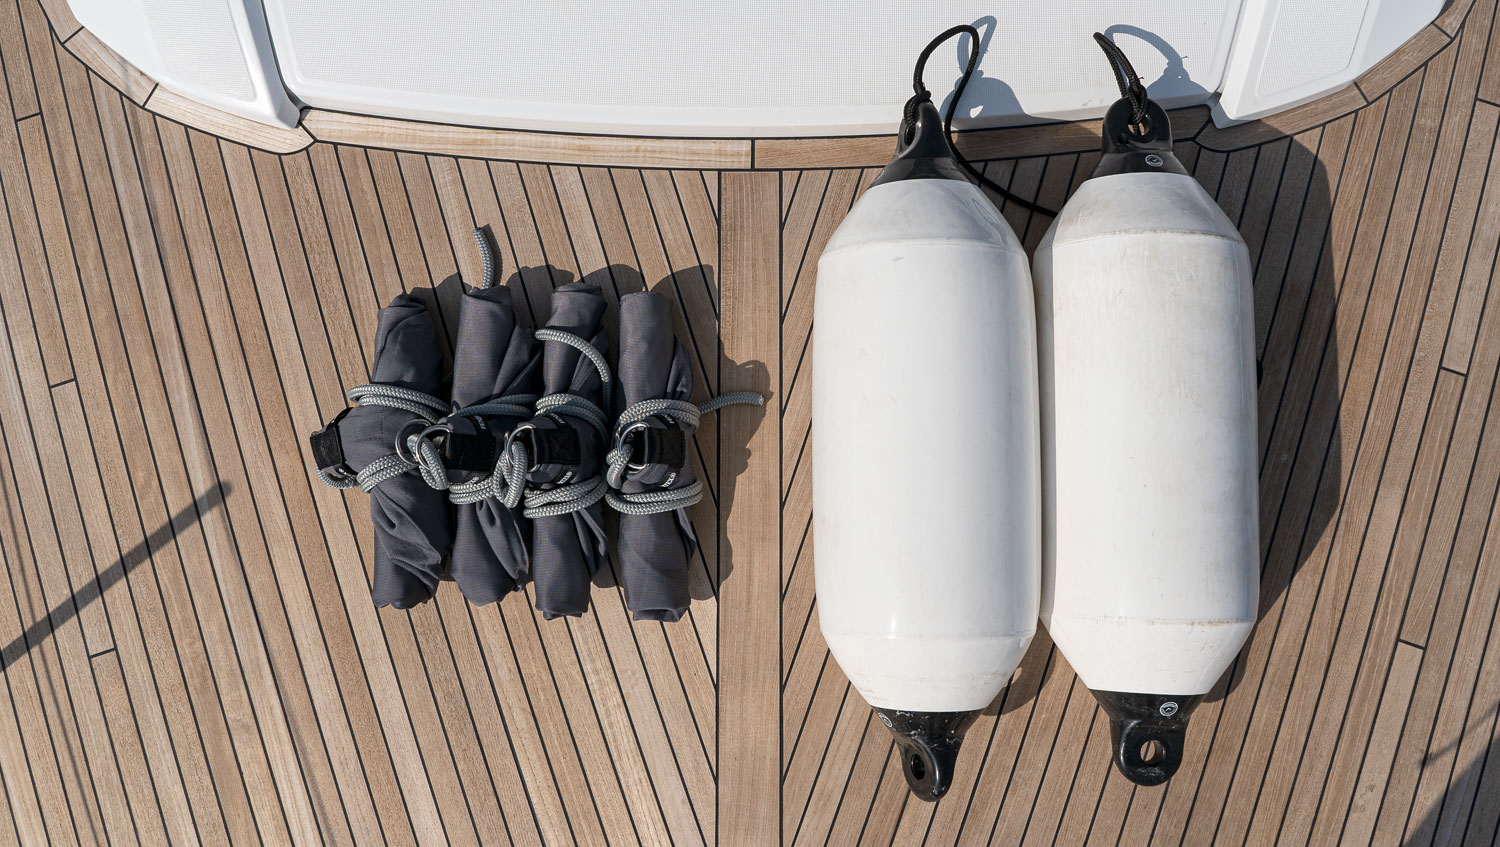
(275, 139)
(111, 66)
(395, 134)
(749, 611)
(189, 652)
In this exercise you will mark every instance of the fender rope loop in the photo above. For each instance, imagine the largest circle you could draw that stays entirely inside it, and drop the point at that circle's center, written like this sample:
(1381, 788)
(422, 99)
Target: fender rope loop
(1127, 79)
(922, 95)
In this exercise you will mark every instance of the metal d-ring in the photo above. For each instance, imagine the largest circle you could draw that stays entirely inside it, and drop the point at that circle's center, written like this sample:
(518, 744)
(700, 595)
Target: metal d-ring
(510, 438)
(427, 429)
(624, 433)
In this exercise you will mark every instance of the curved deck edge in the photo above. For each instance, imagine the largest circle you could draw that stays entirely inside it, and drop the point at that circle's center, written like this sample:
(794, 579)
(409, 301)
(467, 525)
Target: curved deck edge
(714, 153)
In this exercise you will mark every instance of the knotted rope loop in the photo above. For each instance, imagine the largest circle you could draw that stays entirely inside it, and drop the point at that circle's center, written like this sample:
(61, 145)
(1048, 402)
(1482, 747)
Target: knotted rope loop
(420, 449)
(680, 413)
(427, 410)
(505, 481)
(571, 497)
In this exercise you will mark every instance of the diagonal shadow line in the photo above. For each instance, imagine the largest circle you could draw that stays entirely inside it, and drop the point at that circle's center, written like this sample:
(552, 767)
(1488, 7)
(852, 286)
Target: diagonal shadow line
(94, 588)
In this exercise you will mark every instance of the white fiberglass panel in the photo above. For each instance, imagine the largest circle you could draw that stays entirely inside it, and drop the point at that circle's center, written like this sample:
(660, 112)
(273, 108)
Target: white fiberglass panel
(217, 52)
(762, 69)
(1289, 52)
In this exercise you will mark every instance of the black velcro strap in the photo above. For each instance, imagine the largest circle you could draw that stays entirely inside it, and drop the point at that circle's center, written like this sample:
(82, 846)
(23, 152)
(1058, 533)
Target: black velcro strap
(474, 452)
(558, 446)
(328, 448)
(658, 446)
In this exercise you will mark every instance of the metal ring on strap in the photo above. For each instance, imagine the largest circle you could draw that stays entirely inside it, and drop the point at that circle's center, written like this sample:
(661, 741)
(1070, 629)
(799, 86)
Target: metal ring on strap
(618, 463)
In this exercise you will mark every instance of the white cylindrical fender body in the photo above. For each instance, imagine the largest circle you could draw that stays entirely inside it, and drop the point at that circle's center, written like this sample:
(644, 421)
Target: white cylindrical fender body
(925, 448)
(1150, 532)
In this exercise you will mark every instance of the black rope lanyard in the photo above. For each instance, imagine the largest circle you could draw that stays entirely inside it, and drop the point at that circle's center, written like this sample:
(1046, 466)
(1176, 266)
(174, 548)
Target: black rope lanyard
(922, 95)
(1125, 76)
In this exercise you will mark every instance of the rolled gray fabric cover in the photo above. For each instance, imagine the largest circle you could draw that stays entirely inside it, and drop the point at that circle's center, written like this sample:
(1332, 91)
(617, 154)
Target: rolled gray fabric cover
(654, 550)
(568, 549)
(494, 357)
(413, 525)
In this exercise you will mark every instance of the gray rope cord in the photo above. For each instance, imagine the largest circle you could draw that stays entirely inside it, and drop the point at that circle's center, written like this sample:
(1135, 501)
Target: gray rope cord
(487, 256)
(429, 460)
(506, 481)
(510, 405)
(576, 496)
(564, 499)
(419, 403)
(380, 470)
(574, 406)
(583, 346)
(687, 416)
(337, 483)
(426, 408)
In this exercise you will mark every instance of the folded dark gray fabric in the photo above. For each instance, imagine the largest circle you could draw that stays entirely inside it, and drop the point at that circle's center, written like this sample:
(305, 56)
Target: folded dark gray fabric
(413, 524)
(568, 549)
(655, 549)
(495, 357)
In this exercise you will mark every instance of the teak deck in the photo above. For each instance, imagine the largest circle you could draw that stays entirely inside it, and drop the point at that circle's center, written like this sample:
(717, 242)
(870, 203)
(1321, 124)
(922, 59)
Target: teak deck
(190, 653)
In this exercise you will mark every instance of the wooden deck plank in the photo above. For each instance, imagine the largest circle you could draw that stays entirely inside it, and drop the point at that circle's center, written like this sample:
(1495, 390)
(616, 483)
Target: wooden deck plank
(1445, 793)
(49, 210)
(175, 107)
(178, 210)
(23, 100)
(1480, 18)
(1385, 301)
(224, 614)
(40, 692)
(391, 134)
(1453, 16)
(1453, 509)
(1285, 231)
(333, 565)
(1451, 646)
(1472, 817)
(750, 603)
(599, 769)
(295, 650)
(159, 481)
(147, 826)
(25, 237)
(26, 797)
(1359, 825)
(1412, 326)
(157, 700)
(1384, 76)
(326, 649)
(112, 68)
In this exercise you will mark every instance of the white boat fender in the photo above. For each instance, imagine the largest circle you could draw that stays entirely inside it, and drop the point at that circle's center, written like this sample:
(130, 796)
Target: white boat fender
(927, 595)
(1145, 320)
